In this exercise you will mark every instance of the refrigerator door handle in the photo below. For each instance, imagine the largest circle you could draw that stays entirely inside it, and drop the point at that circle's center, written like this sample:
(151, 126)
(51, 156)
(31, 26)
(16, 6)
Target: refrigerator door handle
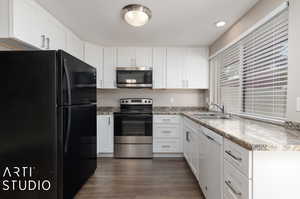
(68, 82)
(68, 129)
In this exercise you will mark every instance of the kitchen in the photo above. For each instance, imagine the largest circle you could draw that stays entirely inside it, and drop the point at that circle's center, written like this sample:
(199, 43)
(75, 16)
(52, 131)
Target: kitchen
(137, 100)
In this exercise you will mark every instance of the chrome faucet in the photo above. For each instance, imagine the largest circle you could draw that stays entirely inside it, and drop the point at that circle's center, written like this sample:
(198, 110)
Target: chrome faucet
(220, 107)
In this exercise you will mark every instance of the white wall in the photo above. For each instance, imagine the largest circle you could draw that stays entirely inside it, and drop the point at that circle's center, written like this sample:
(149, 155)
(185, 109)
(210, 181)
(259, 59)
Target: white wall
(294, 60)
(186, 98)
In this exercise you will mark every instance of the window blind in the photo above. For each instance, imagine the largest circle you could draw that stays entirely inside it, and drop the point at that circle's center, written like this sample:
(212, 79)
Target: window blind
(253, 73)
(230, 79)
(264, 69)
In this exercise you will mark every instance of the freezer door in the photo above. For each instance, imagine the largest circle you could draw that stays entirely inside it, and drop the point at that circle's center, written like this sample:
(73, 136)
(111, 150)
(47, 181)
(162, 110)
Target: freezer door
(80, 146)
(76, 82)
(28, 134)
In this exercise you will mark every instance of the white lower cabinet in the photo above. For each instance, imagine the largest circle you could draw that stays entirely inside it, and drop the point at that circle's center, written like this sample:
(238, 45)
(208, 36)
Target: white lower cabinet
(190, 148)
(212, 169)
(166, 135)
(236, 185)
(105, 134)
(203, 150)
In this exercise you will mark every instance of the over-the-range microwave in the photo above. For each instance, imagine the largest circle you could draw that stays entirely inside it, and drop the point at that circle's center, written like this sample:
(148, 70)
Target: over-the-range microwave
(134, 77)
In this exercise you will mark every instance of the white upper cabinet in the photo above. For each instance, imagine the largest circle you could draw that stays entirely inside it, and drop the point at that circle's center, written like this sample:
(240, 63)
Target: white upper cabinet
(134, 56)
(159, 68)
(56, 36)
(187, 68)
(74, 45)
(27, 23)
(144, 57)
(109, 67)
(24, 23)
(175, 65)
(93, 55)
(196, 68)
(126, 56)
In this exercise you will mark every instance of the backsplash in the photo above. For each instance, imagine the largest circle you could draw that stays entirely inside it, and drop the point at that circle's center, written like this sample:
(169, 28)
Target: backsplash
(165, 98)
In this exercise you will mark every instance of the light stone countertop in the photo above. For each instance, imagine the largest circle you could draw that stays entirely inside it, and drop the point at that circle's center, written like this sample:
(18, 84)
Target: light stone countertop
(251, 134)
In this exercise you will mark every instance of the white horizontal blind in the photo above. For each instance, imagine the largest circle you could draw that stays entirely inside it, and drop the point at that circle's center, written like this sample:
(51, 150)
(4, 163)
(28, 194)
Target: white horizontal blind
(230, 79)
(264, 69)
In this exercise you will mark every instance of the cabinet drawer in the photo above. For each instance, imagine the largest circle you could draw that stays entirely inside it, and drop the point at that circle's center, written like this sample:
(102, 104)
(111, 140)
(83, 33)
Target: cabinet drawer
(166, 146)
(166, 119)
(236, 185)
(166, 131)
(239, 157)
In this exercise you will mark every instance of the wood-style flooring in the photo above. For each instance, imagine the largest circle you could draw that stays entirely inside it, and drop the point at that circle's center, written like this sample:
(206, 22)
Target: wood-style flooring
(141, 179)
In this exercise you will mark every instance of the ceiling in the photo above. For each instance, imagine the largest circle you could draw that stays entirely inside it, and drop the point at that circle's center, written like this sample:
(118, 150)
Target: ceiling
(174, 22)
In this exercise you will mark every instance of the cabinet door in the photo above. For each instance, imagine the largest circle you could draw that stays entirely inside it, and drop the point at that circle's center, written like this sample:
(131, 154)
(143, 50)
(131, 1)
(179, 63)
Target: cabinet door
(28, 23)
(144, 57)
(93, 55)
(74, 45)
(175, 65)
(203, 155)
(57, 36)
(186, 144)
(196, 68)
(159, 67)
(105, 134)
(214, 169)
(109, 69)
(126, 56)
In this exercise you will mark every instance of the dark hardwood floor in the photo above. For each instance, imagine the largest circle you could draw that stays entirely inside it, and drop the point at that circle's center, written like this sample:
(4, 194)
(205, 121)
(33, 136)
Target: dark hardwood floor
(141, 179)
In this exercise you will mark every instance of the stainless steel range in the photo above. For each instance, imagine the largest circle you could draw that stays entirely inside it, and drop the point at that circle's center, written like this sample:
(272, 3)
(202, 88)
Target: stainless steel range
(133, 129)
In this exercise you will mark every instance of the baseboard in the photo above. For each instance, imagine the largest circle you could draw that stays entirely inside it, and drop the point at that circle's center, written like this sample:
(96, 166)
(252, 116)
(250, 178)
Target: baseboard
(167, 155)
(105, 155)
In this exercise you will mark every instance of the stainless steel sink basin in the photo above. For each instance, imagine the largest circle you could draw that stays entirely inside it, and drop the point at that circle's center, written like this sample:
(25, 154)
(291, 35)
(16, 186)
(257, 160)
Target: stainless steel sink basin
(212, 115)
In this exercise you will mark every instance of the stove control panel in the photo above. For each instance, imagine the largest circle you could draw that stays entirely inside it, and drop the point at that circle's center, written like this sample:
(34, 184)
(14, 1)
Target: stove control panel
(136, 101)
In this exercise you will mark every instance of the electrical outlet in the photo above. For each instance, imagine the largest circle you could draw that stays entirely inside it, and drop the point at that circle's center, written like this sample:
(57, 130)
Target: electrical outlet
(298, 104)
(171, 100)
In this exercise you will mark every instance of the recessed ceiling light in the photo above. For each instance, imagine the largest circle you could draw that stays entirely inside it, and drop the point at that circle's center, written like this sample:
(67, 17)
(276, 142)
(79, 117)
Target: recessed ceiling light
(220, 24)
(136, 15)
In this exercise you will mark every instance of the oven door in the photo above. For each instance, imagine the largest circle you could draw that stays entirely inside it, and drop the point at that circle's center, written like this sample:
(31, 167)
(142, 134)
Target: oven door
(134, 78)
(133, 128)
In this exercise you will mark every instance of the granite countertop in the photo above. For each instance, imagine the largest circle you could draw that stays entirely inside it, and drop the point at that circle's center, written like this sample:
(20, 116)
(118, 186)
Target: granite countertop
(250, 134)
(253, 135)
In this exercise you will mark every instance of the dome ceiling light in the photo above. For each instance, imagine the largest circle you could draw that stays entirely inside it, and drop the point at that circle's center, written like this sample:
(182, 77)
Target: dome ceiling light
(136, 15)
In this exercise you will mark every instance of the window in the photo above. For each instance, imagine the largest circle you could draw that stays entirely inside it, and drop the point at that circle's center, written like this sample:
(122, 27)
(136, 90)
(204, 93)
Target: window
(253, 72)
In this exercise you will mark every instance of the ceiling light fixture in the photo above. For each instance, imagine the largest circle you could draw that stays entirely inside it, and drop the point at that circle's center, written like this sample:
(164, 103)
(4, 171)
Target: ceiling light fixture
(136, 15)
(220, 24)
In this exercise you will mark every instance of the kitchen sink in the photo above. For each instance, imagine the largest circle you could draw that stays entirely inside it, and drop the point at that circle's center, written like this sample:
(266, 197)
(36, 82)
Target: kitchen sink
(212, 115)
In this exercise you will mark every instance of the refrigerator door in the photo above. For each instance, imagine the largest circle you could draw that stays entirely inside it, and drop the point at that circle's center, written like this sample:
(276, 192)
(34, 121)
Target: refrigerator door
(76, 82)
(28, 133)
(80, 146)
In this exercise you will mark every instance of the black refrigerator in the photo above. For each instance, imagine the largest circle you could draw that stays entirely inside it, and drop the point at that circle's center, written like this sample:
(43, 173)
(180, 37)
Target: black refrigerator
(47, 124)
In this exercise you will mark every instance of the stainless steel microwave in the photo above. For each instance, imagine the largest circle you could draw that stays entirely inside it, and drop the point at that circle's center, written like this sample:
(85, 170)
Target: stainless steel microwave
(134, 77)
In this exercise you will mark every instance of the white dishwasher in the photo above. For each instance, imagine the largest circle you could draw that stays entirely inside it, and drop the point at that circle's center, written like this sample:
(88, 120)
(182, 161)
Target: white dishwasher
(213, 164)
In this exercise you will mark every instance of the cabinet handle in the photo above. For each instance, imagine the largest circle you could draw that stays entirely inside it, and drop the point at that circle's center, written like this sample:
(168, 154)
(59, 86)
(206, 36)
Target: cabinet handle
(43, 41)
(165, 146)
(233, 156)
(228, 183)
(48, 43)
(166, 120)
(109, 121)
(210, 138)
(167, 132)
(187, 136)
